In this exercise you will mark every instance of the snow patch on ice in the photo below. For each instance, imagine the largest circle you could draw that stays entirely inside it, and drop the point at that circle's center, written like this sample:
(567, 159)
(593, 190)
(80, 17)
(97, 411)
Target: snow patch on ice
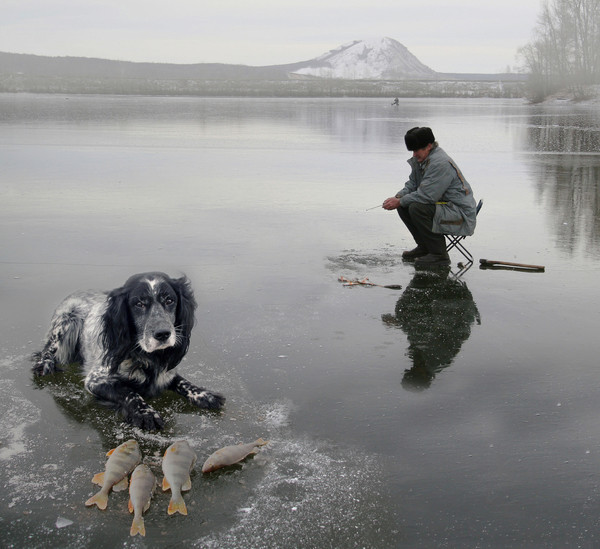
(277, 414)
(17, 414)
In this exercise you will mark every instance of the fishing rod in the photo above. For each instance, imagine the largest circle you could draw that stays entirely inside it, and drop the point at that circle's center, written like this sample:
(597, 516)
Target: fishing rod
(366, 282)
(378, 206)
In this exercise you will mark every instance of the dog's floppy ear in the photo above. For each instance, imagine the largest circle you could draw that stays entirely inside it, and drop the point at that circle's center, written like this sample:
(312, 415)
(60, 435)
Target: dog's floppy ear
(186, 305)
(117, 331)
(184, 316)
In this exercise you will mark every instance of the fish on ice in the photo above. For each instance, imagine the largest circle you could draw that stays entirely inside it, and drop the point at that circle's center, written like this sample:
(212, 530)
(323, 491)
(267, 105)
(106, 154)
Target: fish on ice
(121, 461)
(178, 462)
(141, 489)
(231, 454)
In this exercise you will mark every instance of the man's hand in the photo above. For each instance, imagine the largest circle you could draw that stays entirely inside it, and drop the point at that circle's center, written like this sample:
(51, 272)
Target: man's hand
(391, 203)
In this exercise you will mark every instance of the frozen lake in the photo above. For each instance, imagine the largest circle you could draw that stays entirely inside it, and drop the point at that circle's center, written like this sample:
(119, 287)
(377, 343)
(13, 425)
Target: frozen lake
(451, 413)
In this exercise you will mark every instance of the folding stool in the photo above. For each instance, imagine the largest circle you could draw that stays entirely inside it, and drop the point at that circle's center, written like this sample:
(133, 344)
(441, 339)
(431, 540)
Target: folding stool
(455, 241)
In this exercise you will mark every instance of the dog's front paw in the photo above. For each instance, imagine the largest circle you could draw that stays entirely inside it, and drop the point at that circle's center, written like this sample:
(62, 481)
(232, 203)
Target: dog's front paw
(206, 399)
(146, 418)
(44, 365)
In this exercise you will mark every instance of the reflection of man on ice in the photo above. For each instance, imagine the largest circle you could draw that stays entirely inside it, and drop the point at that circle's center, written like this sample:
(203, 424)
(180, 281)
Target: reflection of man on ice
(436, 314)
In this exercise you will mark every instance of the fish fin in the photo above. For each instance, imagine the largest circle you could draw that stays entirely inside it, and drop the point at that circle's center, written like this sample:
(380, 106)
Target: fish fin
(147, 506)
(130, 506)
(187, 485)
(121, 485)
(177, 506)
(261, 442)
(100, 500)
(98, 479)
(138, 527)
(110, 452)
(165, 484)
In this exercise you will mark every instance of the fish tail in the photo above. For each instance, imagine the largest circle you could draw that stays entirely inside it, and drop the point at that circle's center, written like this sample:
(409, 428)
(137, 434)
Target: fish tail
(100, 500)
(138, 527)
(177, 505)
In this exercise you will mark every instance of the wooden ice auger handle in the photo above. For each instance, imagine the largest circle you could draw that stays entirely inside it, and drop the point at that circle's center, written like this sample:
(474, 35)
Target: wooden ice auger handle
(490, 263)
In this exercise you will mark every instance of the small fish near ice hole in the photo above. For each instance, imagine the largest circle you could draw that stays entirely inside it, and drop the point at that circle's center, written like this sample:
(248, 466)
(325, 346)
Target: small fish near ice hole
(229, 455)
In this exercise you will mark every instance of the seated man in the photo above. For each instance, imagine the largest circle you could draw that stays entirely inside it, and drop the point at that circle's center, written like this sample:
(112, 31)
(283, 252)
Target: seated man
(436, 200)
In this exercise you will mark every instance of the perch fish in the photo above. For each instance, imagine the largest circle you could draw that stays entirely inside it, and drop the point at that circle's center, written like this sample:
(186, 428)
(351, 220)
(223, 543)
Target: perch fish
(231, 454)
(141, 489)
(121, 461)
(178, 461)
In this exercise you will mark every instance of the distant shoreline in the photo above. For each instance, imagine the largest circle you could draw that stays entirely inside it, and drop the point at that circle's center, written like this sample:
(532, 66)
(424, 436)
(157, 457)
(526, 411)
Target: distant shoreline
(259, 88)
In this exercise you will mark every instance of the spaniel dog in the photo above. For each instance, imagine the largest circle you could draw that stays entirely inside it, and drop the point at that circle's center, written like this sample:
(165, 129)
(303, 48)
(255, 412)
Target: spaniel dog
(129, 342)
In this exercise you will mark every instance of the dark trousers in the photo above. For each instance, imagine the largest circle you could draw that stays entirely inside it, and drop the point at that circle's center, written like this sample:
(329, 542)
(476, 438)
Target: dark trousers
(418, 219)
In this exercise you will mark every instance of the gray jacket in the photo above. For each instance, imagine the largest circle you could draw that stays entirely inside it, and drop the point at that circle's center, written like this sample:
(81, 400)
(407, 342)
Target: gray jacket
(439, 181)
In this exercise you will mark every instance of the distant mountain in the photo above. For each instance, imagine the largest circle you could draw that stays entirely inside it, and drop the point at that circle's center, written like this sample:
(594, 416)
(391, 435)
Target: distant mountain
(376, 59)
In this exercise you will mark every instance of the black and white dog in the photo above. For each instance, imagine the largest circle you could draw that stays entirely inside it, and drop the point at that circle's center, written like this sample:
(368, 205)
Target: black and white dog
(129, 342)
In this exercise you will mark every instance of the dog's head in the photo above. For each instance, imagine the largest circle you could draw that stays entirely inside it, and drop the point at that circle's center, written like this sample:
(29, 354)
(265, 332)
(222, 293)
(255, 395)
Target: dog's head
(150, 316)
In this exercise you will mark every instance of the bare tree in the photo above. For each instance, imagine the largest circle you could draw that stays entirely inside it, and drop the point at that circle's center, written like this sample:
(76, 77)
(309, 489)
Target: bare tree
(565, 52)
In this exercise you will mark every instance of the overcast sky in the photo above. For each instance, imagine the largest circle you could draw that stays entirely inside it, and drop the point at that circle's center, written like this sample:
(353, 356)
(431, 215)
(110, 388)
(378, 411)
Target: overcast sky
(446, 35)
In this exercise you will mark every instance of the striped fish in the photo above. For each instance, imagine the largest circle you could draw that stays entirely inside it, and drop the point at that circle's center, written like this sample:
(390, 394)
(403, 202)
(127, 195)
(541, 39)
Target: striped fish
(178, 461)
(141, 489)
(121, 461)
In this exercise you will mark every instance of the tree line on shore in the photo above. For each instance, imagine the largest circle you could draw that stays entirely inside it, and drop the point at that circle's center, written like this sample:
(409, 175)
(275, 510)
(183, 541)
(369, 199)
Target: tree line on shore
(564, 54)
(260, 88)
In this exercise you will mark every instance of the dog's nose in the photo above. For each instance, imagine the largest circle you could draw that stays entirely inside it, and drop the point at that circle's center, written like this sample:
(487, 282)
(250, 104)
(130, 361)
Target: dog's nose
(162, 335)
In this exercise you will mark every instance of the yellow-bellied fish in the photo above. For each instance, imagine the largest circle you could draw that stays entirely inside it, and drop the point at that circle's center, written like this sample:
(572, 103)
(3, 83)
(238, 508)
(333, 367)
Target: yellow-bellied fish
(141, 489)
(121, 462)
(231, 454)
(178, 461)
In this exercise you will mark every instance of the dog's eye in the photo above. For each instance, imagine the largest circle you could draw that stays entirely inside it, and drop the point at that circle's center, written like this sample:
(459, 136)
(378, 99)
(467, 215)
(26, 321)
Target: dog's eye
(140, 305)
(169, 301)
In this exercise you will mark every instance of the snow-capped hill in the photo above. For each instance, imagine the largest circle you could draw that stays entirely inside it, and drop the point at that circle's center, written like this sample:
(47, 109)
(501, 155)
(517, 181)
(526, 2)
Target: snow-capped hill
(376, 59)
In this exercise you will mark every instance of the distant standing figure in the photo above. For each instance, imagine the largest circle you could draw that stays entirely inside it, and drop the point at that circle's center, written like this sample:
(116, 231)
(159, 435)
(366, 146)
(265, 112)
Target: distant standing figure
(436, 200)
(396, 102)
